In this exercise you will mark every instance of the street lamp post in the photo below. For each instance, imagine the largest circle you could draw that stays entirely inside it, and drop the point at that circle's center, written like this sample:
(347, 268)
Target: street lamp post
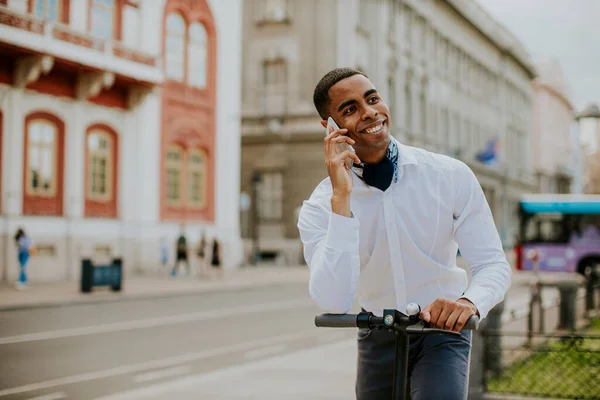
(255, 254)
(589, 115)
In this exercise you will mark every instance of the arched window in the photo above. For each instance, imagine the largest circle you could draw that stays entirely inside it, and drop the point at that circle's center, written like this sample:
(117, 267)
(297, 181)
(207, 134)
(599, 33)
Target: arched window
(197, 55)
(102, 13)
(101, 172)
(174, 170)
(175, 47)
(100, 147)
(42, 159)
(43, 166)
(197, 178)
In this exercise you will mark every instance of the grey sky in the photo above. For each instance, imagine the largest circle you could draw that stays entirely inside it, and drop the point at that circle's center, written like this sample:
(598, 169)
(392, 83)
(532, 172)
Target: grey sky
(568, 30)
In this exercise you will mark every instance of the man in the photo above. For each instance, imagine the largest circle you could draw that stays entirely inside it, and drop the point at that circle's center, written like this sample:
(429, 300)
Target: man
(387, 230)
(182, 255)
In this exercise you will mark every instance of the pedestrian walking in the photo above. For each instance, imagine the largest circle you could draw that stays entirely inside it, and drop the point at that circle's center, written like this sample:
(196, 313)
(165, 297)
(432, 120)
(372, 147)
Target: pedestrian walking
(201, 253)
(164, 253)
(24, 248)
(182, 255)
(216, 259)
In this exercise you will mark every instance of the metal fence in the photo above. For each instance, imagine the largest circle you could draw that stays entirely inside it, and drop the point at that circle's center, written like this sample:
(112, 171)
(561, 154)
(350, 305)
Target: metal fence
(565, 366)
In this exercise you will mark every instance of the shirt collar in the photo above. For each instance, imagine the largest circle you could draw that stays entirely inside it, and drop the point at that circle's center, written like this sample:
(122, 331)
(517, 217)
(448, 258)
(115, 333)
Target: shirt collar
(398, 153)
(406, 154)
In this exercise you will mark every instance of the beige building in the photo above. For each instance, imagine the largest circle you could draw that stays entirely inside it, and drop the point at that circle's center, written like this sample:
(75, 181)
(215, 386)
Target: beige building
(552, 142)
(453, 78)
(589, 141)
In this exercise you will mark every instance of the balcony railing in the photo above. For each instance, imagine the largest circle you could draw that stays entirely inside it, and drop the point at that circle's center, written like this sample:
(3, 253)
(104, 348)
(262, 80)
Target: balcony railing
(64, 33)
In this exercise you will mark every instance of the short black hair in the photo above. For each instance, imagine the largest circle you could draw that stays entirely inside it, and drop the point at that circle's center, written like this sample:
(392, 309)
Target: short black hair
(321, 93)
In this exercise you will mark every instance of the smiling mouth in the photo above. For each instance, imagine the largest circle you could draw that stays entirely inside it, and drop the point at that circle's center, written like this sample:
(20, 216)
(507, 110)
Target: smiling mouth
(374, 129)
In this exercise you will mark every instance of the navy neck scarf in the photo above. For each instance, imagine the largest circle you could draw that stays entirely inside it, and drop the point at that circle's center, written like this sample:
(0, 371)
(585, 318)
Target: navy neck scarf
(383, 174)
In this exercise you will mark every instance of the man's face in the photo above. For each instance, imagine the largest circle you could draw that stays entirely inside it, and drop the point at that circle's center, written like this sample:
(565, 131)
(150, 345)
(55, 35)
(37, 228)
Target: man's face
(356, 106)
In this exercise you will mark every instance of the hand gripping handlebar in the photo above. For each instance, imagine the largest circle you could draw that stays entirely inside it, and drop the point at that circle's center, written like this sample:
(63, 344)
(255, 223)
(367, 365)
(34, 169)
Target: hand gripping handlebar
(391, 319)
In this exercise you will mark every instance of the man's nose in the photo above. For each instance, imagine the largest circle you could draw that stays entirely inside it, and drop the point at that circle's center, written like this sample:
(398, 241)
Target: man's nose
(369, 113)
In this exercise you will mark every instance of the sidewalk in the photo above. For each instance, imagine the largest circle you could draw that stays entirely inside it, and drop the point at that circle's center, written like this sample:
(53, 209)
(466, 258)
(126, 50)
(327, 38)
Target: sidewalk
(39, 295)
(140, 287)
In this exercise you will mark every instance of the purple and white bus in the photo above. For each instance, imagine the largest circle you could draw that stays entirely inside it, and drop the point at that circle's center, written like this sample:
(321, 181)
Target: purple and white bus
(563, 228)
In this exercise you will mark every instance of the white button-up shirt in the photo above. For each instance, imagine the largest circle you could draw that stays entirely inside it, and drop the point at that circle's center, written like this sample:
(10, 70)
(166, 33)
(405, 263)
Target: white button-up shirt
(400, 245)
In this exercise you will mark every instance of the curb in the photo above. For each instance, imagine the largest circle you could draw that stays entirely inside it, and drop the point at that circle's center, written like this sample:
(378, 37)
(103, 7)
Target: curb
(140, 296)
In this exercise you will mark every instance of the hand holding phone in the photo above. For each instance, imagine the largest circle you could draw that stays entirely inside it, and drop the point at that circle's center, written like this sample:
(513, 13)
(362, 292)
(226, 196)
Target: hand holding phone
(339, 158)
(343, 146)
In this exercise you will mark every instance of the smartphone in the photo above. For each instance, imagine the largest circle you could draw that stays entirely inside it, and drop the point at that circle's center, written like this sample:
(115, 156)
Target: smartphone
(342, 146)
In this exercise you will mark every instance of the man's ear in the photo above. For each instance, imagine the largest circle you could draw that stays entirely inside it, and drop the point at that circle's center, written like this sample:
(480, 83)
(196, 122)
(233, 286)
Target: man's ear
(324, 123)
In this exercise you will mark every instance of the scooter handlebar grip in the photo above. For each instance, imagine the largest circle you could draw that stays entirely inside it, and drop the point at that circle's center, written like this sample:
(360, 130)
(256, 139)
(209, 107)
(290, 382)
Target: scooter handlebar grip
(336, 320)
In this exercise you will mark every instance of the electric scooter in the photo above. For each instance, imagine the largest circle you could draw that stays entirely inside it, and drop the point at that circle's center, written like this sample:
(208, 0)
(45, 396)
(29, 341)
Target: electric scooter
(402, 325)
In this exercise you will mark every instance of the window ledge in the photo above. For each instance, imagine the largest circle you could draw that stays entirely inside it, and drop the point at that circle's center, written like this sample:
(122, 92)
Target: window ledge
(271, 21)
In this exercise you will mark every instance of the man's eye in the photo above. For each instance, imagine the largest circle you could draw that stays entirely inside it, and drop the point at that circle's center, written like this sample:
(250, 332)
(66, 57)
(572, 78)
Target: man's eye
(373, 99)
(348, 110)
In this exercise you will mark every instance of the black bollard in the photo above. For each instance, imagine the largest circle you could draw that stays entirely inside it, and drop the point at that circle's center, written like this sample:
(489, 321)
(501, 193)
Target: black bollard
(493, 341)
(568, 305)
(486, 352)
(590, 288)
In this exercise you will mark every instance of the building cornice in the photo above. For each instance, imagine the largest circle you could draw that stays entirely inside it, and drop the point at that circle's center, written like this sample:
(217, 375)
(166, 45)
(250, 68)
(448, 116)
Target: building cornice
(501, 37)
(539, 85)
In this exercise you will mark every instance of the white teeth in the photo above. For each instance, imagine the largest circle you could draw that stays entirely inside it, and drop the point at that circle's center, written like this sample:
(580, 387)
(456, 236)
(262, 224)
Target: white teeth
(374, 129)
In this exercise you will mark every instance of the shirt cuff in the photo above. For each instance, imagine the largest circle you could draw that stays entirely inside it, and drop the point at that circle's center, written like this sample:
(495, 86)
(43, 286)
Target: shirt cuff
(480, 299)
(342, 233)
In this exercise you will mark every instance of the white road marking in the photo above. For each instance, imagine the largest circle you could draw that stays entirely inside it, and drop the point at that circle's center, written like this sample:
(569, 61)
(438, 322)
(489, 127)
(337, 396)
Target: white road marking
(162, 373)
(265, 351)
(158, 321)
(51, 396)
(235, 373)
(161, 363)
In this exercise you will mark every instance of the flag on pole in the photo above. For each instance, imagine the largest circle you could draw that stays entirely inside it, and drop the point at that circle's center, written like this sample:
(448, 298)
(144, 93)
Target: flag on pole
(489, 155)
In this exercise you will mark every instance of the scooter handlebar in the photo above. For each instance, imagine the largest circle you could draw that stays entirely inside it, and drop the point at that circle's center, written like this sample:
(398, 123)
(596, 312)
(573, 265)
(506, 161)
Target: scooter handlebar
(350, 321)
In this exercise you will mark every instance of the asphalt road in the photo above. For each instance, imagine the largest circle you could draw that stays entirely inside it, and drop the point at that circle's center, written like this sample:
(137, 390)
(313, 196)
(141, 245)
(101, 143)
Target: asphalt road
(98, 350)
(90, 351)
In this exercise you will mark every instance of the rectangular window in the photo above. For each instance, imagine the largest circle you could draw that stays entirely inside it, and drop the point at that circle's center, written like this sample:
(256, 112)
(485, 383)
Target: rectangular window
(364, 48)
(197, 55)
(445, 128)
(100, 159)
(423, 110)
(454, 139)
(391, 83)
(197, 179)
(433, 123)
(50, 10)
(271, 196)
(175, 47)
(420, 40)
(363, 13)
(468, 138)
(102, 13)
(275, 82)
(174, 166)
(272, 11)
(408, 125)
(131, 26)
(407, 20)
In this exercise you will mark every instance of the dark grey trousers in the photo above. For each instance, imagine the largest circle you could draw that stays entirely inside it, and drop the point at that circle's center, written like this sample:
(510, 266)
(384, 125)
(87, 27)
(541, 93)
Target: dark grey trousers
(438, 366)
